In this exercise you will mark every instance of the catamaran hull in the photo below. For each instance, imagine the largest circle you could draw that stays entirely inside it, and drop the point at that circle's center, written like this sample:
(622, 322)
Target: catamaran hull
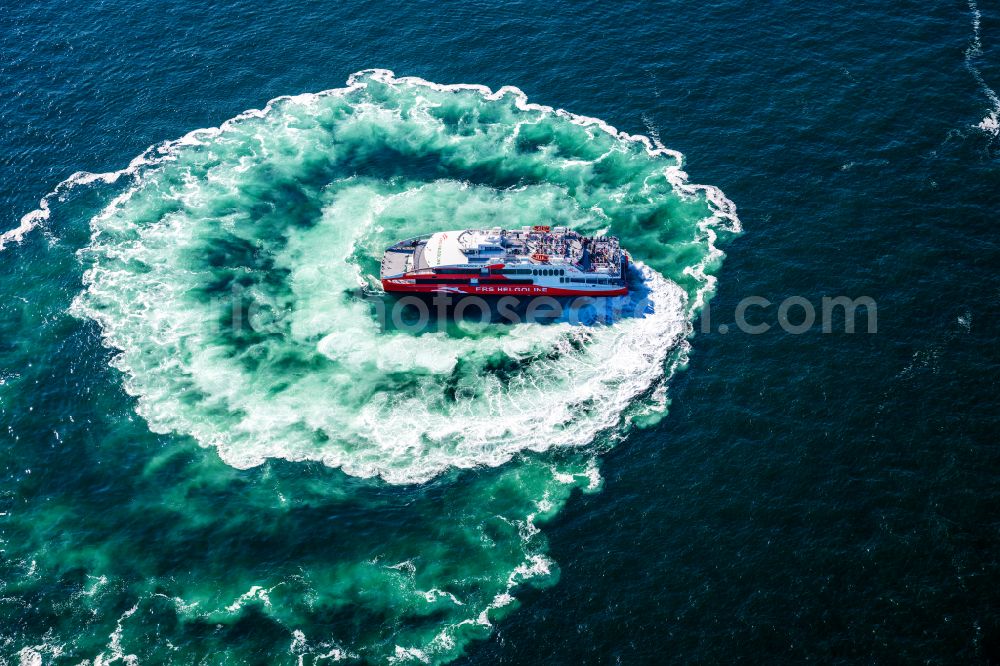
(404, 285)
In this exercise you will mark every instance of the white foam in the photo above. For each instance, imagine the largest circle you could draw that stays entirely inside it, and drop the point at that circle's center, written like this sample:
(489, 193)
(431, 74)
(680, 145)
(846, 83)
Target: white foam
(41, 214)
(410, 654)
(45, 652)
(965, 320)
(255, 593)
(432, 595)
(114, 647)
(300, 647)
(991, 122)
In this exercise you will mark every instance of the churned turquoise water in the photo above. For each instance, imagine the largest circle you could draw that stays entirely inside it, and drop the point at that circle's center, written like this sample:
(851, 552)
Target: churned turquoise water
(214, 451)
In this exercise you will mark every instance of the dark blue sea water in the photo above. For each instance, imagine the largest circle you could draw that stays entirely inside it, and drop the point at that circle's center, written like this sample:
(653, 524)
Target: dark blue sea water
(168, 497)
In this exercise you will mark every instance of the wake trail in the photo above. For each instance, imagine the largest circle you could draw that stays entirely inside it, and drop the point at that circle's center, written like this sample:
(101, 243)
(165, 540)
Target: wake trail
(991, 122)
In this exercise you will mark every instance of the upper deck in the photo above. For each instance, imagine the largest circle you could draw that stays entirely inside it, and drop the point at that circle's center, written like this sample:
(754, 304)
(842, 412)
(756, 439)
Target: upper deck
(527, 246)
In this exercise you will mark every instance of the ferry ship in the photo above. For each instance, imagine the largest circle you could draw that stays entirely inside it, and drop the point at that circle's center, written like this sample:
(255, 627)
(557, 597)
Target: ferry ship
(530, 261)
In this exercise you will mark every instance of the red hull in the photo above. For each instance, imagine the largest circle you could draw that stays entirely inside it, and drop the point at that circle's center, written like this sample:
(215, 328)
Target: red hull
(400, 285)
